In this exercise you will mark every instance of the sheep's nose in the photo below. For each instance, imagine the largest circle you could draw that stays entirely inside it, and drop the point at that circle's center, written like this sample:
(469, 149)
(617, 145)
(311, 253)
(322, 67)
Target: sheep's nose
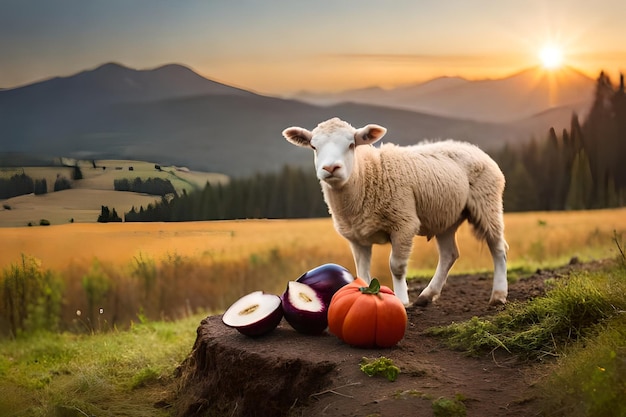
(331, 168)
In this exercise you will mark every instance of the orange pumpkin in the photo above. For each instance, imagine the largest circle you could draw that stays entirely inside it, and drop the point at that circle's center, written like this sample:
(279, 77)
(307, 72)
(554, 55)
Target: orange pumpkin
(367, 316)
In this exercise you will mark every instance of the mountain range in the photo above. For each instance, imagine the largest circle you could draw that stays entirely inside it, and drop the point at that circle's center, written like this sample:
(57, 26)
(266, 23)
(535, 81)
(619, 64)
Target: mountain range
(172, 115)
(511, 99)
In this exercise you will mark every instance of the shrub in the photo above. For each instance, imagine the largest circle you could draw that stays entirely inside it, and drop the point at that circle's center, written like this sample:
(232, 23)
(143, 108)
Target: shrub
(44, 222)
(32, 297)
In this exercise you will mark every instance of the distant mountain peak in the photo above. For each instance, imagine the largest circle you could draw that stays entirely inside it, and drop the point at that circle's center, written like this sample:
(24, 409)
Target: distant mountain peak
(112, 83)
(172, 66)
(115, 67)
(110, 66)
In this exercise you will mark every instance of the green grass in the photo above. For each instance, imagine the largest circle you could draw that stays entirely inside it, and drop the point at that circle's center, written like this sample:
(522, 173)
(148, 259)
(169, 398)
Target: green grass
(590, 379)
(546, 325)
(581, 322)
(107, 374)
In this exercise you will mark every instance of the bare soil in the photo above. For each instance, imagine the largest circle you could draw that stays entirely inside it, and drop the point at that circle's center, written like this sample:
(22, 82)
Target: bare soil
(289, 374)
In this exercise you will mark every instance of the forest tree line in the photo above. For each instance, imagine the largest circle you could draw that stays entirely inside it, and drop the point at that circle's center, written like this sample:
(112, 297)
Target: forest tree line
(580, 168)
(20, 184)
(290, 193)
(153, 186)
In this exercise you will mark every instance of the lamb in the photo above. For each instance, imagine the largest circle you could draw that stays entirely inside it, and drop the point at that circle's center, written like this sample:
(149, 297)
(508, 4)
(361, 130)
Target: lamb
(391, 193)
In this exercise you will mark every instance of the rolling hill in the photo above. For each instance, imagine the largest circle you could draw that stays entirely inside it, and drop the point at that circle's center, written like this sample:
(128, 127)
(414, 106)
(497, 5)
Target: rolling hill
(173, 116)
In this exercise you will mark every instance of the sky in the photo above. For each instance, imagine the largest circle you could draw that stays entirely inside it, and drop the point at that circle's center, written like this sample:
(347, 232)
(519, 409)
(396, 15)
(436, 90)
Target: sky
(282, 47)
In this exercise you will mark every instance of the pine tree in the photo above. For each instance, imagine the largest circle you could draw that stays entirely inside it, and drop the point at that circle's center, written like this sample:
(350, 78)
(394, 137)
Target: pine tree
(581, 186)
(520, 193)
(551, 169)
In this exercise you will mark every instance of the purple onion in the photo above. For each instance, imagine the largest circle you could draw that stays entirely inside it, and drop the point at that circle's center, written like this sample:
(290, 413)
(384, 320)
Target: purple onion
(304, 308)
(326, 280)
(254, 314)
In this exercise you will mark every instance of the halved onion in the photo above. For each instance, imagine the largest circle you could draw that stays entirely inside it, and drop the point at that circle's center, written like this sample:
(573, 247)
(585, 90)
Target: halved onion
(327, 279)
(254, 314)
(304, 308)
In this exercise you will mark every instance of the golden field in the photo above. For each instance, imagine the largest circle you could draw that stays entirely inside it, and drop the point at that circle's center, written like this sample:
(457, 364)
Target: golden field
(75, 238)
(534, 238)
(115, 272)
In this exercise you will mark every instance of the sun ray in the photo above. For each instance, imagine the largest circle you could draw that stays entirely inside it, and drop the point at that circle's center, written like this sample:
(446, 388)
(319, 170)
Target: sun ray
(551, 57)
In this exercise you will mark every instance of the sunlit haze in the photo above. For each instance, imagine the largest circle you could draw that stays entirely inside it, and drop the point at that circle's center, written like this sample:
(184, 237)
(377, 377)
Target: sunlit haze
(282, 47)
(551, 57)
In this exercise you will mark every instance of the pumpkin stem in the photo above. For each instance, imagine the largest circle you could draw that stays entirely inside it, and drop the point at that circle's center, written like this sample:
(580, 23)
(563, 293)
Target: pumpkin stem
(374, 288)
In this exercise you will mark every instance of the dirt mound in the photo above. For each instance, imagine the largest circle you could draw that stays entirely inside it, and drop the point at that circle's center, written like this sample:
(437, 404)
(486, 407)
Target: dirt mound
(286, 373)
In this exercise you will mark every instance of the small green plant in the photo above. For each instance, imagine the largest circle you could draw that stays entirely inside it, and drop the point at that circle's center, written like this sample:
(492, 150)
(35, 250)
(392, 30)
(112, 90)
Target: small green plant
(145, 269)
(381, 366)
(44, 222)
(617, 238)
(447, 407)
(96, 284)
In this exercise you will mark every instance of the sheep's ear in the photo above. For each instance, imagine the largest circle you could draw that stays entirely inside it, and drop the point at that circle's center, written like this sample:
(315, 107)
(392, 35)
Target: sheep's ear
(298, 136)
(369, 134)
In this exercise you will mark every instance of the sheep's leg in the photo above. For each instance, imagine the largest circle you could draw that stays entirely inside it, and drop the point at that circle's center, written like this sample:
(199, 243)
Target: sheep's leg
(362, 259)
(398, 262)
(498, 248)
(448, 254)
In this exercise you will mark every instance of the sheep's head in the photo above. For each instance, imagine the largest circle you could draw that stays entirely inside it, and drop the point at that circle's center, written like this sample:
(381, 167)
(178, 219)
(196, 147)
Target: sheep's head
(334, 142)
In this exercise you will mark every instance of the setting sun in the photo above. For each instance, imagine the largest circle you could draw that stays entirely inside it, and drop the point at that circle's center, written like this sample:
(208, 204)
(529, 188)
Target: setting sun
(551, 57)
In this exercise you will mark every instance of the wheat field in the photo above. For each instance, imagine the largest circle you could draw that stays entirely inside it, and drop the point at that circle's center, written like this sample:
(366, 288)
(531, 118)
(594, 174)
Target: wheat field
(534, 238)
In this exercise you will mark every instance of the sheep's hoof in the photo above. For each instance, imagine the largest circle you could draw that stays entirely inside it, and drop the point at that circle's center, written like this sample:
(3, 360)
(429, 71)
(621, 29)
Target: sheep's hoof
(422, 301)
(498, 298)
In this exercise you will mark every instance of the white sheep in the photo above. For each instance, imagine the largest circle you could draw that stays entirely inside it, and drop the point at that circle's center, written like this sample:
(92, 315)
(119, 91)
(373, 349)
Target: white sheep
(392, 193)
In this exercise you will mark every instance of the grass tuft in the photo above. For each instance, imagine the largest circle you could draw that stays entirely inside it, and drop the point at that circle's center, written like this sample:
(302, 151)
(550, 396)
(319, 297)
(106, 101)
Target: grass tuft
(545, 325)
